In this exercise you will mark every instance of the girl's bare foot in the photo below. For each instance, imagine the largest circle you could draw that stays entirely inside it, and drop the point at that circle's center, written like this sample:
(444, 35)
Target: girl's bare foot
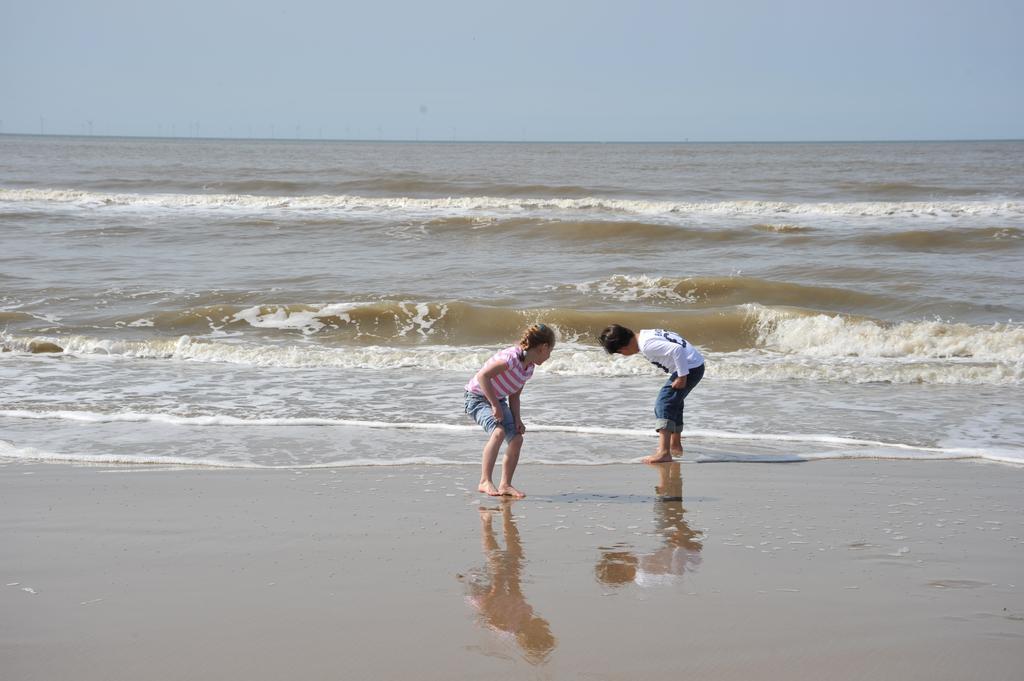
(488, 488)
(660, 456)
(510, 491)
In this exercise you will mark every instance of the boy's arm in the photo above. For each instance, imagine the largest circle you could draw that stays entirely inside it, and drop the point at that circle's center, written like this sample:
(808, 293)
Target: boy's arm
(678, 354)
(682, 369)
(679, 357)
(668, 353)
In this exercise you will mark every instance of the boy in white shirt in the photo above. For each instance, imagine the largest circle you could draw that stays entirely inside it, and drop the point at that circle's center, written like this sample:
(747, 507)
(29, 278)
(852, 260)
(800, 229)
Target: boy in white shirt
(671, 353)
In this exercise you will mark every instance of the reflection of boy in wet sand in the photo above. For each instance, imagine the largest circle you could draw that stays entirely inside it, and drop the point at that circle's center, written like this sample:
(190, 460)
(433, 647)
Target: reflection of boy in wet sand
(681, 549)
(497, 594)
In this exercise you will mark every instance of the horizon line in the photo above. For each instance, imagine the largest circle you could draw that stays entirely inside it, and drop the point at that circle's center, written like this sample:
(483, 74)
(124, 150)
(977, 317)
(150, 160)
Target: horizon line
(511, 141)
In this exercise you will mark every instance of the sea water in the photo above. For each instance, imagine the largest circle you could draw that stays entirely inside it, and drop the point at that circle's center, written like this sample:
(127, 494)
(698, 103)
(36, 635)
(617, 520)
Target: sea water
(310, 303)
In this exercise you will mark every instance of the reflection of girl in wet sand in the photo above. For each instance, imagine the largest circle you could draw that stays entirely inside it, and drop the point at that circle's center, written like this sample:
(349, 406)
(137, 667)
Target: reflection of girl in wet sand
(496, 592)
(681, 549)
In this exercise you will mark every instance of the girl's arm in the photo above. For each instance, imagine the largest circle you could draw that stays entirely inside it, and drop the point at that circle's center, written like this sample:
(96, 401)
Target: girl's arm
(483, 377)
(513, 404)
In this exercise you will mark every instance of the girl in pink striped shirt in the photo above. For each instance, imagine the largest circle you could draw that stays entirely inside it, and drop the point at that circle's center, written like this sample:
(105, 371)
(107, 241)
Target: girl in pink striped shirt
(492, 400)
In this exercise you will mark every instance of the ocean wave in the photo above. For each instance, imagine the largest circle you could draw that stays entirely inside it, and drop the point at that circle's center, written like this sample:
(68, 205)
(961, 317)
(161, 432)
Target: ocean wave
(792, 331)
(836, 336)
(995, 456)
(773, 367)
(464, 204)
(706, 309)
(575, 229)
(837, 447)
(949, 240)
(783, 228)
(896, 189)
(411, 323)
(729, 291)
(12, 316)
(12, 452)
(569, 359)
(235, 421)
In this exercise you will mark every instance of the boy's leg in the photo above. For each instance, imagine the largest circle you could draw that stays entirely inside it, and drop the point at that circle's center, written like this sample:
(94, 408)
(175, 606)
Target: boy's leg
(676, 445)
(666, 410)
(664, 454)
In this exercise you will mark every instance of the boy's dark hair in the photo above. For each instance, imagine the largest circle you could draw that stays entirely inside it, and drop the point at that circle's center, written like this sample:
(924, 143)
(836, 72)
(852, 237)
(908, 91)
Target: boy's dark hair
(615, 337)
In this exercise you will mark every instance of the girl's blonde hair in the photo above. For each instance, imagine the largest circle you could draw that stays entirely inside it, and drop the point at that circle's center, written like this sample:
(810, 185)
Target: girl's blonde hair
(537, 334)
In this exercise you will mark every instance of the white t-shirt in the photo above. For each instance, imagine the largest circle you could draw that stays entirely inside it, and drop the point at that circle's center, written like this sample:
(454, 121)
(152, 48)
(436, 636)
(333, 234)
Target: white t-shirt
(668, 351)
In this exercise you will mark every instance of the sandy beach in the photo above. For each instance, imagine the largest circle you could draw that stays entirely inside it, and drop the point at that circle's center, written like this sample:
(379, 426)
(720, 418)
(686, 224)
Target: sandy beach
(839, 570)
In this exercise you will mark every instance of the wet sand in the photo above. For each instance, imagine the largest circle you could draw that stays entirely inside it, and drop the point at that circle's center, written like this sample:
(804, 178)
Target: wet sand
(838, 570)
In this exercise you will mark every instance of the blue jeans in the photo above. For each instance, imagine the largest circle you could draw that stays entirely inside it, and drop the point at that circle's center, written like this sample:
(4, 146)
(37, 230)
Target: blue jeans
(479, 409)
(668, 408)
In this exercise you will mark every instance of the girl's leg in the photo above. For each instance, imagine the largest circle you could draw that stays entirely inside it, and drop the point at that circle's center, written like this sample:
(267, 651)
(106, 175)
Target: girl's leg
(508, 467)
(490, 455)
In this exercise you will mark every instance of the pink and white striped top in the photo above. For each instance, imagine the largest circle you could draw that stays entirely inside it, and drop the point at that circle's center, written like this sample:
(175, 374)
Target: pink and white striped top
(509, 381)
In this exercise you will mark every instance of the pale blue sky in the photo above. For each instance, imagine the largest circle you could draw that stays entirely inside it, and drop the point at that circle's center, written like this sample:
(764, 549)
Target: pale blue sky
(572, 70)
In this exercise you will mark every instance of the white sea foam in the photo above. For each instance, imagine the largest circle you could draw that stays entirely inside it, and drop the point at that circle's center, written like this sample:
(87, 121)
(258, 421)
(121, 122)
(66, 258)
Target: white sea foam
(841, 447)
(768, 366)
(234, 421)
(472, 204)
(637, 287)
(219, 420)
(790, 344)
(419, 322)
(828, 336)
(306, 321)
(262, 355)
(886, 453)
(12, 452)
(747, 366)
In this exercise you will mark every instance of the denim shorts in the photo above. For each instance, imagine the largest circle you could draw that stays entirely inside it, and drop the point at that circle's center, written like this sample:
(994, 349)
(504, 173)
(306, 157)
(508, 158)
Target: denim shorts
(479, 409)
(668, 407)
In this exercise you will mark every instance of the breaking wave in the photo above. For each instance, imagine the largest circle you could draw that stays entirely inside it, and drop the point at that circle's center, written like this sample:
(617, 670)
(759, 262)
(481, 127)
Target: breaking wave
(729, 291)
(781, 345)
(462, 204)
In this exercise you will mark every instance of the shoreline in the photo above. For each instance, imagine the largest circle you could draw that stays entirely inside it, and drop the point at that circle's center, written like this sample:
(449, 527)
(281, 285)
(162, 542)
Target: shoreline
(844, 569)
(524, 142)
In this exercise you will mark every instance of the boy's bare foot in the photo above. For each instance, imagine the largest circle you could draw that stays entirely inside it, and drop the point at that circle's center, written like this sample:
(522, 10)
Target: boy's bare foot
(489, 489)
(510, 491)
(676, 452)
(660, 456)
